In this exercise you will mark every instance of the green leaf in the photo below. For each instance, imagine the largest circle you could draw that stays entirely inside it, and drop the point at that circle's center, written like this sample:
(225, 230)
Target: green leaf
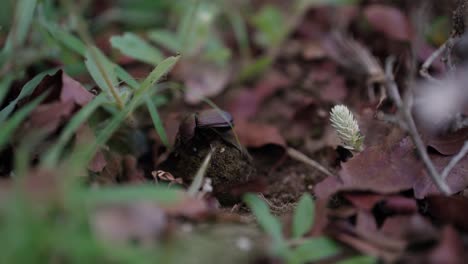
(303, 216)
(313, 249)
(125, 193)
(270, 224)
(67, 39)
(12, 123)
(163, 68)
(359, 260)
(198, 179)
(157, 122)
(126, 77)
(5, 84)
(136, 47)
(27, 90)
(270, 24)
(24, 14)
(95, 57)
(166, 39)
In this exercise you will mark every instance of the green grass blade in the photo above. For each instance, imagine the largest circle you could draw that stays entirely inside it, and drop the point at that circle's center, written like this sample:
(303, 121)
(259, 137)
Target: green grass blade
(93, 69)
(314, 249)
(12, 123)
(198, 179)
(52, 156)
(137, 48)
(24, 14)
(27, 89)
(157, 122)
(126, 77)
(123, 193)
(5, 87)
(166, 39)
(270, 224)
(163, 68)
(303, 216)
(67, 39)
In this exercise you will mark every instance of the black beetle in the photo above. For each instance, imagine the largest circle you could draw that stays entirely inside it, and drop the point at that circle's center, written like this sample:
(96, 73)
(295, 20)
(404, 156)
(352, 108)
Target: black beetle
(207, 120)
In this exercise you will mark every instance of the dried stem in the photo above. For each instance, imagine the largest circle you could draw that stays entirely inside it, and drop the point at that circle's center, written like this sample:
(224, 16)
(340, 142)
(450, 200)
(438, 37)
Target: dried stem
(295, 154)
(405, 111)
(453, 162)
(424, 71)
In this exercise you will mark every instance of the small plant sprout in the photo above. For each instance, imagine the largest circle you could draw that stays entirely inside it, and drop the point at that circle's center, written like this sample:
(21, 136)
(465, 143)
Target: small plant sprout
(346, 127)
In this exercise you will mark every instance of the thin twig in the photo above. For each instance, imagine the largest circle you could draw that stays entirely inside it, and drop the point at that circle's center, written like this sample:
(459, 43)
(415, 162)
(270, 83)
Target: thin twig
(453, 162)
(303, 158)
(405, 112)
(424, 71)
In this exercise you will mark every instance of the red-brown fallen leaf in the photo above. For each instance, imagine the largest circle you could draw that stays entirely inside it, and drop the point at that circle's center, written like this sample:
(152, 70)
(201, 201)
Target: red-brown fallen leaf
(448, 210)
(450, 249)
(365, 201)
(74, 91)
(392, 169)
(85, 135)
(396, 204)
(335, 90)
(413, 228)
(390, 21)
(246, 103)
(257, 135)
(48, 117)
(203, 80)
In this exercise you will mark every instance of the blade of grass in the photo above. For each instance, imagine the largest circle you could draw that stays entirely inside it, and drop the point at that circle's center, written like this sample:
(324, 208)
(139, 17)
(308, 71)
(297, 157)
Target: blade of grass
(24, 14)
(157, 122)
(198, 179)
(268, 222)
(125, 193)
(27, 89)
(137, 48)
(5, 87)
(12, 123)
(303, 216)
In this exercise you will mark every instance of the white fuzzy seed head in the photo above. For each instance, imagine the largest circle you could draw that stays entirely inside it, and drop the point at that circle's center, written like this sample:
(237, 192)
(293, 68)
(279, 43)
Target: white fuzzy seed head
(347, 128)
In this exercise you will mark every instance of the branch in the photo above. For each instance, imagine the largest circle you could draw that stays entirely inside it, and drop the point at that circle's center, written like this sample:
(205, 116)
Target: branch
(405, 112)
(453, 162)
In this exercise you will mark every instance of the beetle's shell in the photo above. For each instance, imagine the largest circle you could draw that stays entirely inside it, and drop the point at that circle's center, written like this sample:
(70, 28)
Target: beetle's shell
(214, 118)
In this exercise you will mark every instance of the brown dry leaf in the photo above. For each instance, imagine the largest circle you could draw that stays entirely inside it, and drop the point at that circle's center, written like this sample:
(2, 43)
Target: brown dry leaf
(65, 96)
(335, 90)
(450, 249)
(392, 169)
(448, 210)
(390, 21)
(255, 135)
(203, 80)
(246, 103)
(85, 135)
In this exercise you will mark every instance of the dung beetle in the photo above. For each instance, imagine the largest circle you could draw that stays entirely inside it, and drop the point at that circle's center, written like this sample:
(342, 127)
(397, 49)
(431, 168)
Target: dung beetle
(214, 120)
